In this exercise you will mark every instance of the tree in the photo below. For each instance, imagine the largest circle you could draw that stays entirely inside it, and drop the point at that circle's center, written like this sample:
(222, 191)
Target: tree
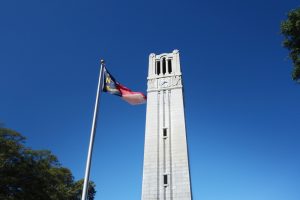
(77, 190)
(290, 28)
(34, 175)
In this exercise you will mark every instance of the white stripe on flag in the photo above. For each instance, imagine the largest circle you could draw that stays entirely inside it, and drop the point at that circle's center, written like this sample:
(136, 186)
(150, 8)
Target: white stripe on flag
(134, 99)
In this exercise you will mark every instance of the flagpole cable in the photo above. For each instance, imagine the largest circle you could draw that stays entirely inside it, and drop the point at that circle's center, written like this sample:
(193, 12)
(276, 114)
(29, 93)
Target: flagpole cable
(92, 137)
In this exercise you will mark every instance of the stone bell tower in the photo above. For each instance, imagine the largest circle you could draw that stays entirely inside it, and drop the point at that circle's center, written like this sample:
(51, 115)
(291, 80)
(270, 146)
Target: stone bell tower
(166, 167)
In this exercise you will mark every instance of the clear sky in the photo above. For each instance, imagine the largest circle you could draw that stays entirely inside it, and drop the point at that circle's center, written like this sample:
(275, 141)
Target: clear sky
(242, 108)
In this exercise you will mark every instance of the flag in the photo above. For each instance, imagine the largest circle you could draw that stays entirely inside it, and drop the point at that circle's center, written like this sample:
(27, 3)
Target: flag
(111, 86)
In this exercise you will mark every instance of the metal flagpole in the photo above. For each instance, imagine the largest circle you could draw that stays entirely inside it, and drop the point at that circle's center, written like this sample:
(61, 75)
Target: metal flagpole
(93, 130)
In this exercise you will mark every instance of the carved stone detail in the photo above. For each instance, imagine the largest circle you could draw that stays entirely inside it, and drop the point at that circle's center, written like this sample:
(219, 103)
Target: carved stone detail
(176, 81)
(152, 84)
(164, 82)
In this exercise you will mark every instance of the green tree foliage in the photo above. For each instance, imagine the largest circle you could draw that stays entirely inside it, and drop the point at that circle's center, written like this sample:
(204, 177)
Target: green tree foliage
(290, 28)
(77, 190)
(27, 174)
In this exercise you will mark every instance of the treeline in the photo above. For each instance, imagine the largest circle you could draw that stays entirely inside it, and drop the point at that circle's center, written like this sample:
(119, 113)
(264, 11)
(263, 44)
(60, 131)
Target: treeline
(27, 174)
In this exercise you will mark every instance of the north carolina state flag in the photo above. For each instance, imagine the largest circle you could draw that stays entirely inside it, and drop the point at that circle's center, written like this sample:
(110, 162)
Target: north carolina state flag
(111, 86)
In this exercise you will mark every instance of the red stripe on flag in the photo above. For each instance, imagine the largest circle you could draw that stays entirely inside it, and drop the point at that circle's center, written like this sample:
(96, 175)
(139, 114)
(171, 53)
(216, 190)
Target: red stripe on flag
(134, 98)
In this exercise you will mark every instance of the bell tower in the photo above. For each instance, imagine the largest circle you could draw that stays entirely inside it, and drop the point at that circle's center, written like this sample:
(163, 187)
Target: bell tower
(166, 167)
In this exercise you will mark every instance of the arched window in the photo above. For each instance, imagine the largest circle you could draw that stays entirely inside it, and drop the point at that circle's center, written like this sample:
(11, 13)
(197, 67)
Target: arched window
(157, 68)
(169, 66)
(164, 70)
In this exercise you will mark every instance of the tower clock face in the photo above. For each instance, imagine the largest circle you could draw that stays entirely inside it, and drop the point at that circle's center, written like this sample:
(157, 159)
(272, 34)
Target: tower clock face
(164, 83)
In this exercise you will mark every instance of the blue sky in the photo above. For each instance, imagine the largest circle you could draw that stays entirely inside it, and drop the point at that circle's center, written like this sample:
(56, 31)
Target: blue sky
(242, 109)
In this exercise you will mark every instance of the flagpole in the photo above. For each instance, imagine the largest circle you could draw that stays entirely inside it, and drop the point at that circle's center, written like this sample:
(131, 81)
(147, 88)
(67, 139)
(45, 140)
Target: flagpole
(92, 137)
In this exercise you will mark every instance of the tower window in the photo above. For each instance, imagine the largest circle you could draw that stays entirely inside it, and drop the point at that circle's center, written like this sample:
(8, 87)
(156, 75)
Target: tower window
(165, 132)
(169, 66)
(164, 70)
(165, 179)
(157, 71)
